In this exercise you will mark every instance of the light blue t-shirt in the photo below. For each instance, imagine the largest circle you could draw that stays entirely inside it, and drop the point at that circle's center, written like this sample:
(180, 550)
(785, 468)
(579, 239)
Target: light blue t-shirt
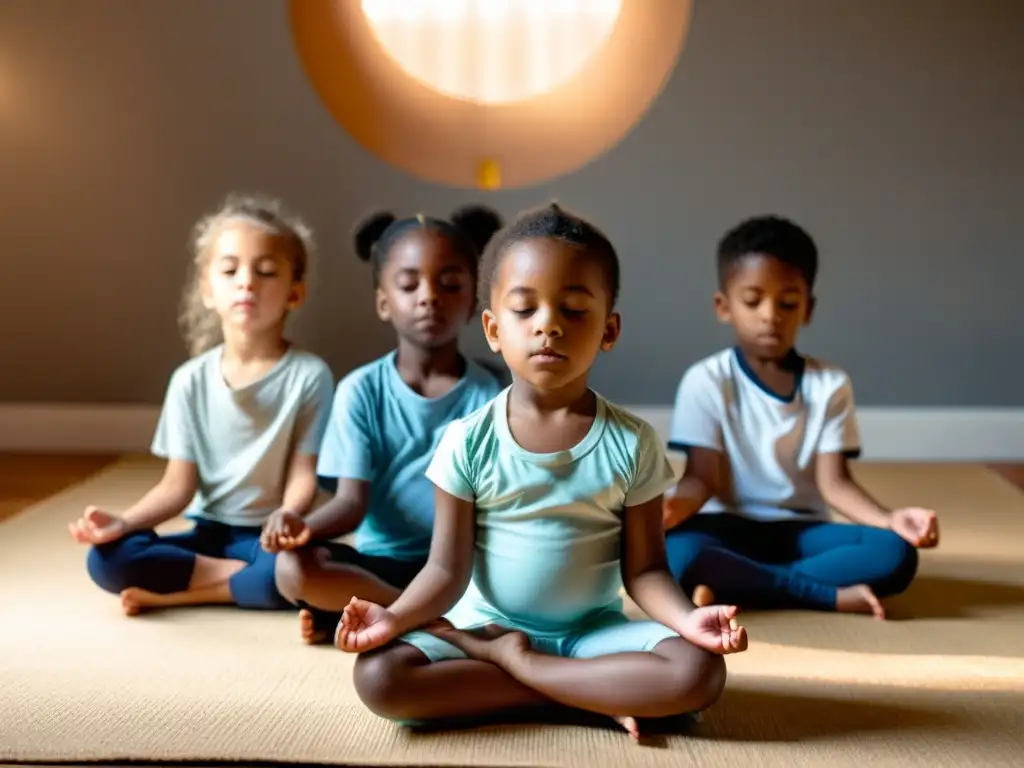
(242, 440)
(384, 433)
(549, 526)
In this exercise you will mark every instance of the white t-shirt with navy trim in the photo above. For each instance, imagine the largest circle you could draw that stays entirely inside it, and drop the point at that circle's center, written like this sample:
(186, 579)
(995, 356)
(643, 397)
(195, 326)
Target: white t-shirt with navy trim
(770, 441)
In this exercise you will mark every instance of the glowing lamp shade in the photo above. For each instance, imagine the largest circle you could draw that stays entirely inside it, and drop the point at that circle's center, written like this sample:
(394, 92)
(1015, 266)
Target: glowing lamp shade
(492, 51)
(488, 93)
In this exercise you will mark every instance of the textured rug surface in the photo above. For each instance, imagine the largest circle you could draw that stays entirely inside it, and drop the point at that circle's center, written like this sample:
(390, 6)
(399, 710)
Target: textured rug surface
(942, 683)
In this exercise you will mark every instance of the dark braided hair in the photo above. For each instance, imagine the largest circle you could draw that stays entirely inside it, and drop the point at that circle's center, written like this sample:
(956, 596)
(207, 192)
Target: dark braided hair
(468, 228)
(552, 222)
(771, 236)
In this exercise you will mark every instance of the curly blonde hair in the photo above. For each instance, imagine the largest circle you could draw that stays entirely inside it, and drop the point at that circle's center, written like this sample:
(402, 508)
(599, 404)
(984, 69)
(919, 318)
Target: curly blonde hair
(201, 326)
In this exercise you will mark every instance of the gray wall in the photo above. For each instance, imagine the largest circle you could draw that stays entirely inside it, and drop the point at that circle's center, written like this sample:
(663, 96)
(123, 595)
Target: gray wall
(890, 128)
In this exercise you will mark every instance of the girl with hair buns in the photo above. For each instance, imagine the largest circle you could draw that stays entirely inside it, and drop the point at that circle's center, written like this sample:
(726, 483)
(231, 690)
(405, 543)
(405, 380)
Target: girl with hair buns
(387, 418)
(240, 429)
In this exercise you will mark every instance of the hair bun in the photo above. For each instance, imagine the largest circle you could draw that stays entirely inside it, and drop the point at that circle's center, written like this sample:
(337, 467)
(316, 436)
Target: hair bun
(369, 231)
(478, 222)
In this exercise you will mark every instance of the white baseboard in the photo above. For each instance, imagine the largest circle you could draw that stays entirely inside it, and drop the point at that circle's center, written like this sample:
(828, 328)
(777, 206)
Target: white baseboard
(889, 434)
(921, 434)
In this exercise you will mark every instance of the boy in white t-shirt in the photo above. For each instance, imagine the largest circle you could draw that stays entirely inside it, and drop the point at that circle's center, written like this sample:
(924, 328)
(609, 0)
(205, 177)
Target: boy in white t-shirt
(768, 433)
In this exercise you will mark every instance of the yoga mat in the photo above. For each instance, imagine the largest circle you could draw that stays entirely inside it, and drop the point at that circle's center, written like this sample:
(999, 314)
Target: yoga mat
(942, 683)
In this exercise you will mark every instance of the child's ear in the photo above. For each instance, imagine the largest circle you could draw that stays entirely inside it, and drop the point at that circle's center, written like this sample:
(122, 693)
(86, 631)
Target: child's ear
(722, 308)
(490, 323)
(383, 306)
(297, 297)
(612, 331)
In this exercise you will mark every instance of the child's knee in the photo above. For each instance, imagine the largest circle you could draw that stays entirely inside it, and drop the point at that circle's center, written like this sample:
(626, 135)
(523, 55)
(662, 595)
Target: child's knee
(108, 568)
(255, 586)
(292, 572)
(896, 558)
(705, 687)
(381, 680)
(903, 563)
(699, 675)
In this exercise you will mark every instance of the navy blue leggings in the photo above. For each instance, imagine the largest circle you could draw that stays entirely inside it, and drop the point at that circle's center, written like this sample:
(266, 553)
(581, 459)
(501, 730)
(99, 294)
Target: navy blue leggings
(786, 564)
(163, 564)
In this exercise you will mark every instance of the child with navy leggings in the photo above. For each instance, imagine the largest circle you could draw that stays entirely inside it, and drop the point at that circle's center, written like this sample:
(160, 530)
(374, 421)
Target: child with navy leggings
(388, 417)
(240, 428)
(768, 434)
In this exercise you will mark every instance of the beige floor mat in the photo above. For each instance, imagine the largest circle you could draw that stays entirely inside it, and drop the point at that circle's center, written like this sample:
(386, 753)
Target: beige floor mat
(941, 684)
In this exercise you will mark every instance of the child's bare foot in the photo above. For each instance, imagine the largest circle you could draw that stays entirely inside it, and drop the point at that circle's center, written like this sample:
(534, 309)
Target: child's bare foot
(493, 643)
(703, 596)
(439, 627)
(501, 646)
(631, 726)
(317, 628)
(859, 599)
(134, 601)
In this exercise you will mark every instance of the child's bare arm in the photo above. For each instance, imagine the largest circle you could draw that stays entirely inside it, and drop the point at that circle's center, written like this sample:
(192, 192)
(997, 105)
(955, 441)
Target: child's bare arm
(647, 580)
(916, 525)
(286, 528)
(701, 481)
(444, 578)
(343, 513)
(167, 499)
(844, 494)
(645, 566)
(300, 485)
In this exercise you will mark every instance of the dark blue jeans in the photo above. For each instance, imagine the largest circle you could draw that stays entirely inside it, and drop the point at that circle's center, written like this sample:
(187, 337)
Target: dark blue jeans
(786, 564)
(163, 564)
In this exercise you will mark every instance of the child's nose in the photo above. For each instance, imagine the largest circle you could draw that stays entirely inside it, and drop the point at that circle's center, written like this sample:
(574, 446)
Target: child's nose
(548, 325)
(428, 295)
(244, 278)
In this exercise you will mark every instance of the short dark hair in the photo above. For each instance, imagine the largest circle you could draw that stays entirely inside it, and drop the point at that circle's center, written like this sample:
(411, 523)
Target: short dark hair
(772, 236)
(468, 228)
(551, 222)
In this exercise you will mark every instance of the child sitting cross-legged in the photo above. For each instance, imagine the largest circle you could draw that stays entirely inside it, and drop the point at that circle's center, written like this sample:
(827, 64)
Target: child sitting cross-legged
(768, 435)
(548, 502)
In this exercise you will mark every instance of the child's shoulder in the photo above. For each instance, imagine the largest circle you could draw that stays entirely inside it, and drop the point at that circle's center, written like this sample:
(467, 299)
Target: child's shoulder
(713, 371)
(193, 371)
(624, 426)
(309, 366)
(823, 378)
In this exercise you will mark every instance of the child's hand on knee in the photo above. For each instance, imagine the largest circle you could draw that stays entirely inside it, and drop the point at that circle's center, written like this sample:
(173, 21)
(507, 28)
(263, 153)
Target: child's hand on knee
(284, 530)
(365, 626)
(97, 527)
(918, 526)
(715, 629)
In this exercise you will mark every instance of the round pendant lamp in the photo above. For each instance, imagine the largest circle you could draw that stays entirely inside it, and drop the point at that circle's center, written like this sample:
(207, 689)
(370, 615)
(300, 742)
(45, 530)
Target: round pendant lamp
(488, 93)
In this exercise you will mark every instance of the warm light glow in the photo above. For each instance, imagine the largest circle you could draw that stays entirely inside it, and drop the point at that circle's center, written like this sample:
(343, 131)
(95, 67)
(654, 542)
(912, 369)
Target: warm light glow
(492, 51)
(488, 94)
